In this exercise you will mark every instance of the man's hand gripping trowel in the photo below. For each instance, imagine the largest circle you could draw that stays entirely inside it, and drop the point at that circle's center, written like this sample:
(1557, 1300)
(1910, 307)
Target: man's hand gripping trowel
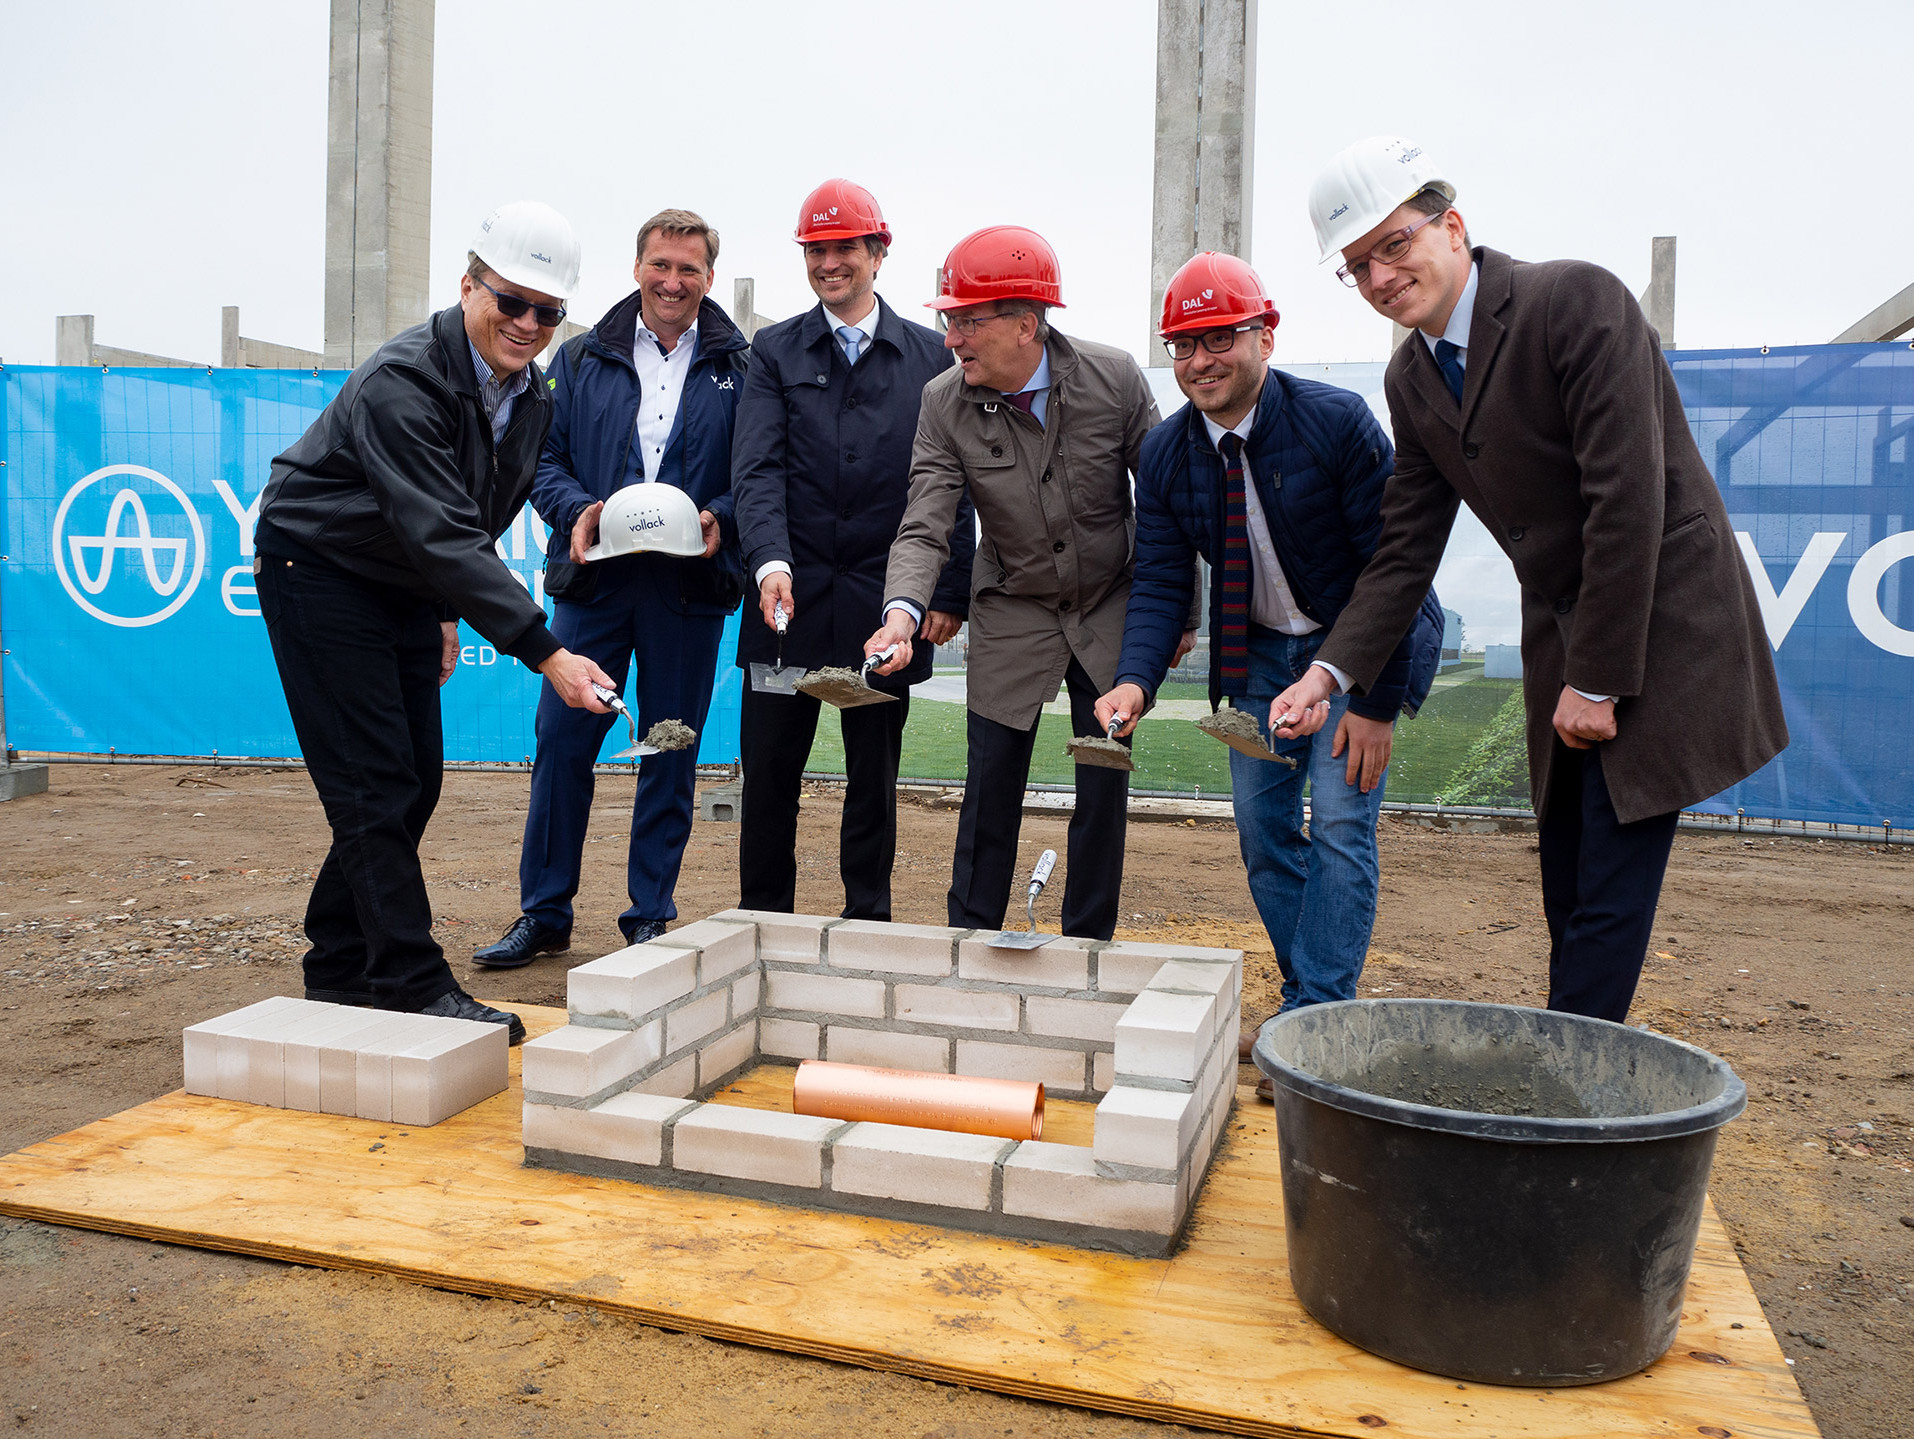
(776, 679)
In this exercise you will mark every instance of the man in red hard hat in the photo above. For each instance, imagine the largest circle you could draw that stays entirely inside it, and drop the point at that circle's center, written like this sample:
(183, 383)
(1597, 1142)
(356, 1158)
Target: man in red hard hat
(820, 471)
(1042, 432)
(1278, 483)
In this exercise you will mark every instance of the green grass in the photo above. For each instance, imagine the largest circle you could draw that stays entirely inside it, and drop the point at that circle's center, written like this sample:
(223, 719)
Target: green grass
(1174, 755)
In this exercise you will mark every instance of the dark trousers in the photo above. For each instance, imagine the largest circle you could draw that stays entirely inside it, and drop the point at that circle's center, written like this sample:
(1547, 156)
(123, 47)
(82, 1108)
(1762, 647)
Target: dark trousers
(1601, 880)
(676, 661)
(775, 739)
(985, 863)
(360, 667)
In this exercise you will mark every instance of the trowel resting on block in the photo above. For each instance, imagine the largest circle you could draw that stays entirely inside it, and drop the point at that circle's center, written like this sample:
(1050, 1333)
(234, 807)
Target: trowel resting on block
(776, 679)
(848, 688)
(1107, 752)
(665, 735)
(1029, 938)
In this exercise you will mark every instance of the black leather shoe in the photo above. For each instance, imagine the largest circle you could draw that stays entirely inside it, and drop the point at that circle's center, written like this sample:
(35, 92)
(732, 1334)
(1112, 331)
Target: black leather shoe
(521, 944)
(460, 1005)
(646, 932)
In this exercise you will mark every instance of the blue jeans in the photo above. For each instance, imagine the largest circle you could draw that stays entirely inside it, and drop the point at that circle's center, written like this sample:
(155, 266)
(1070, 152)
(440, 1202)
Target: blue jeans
(1316, 894)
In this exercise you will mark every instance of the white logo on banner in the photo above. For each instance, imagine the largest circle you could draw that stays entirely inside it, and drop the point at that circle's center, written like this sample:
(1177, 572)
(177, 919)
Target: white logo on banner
(171, 564)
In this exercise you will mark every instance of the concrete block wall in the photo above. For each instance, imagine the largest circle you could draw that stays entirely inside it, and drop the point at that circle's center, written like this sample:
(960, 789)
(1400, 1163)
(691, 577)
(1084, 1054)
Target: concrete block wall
(658, 1027)
(336, 1059)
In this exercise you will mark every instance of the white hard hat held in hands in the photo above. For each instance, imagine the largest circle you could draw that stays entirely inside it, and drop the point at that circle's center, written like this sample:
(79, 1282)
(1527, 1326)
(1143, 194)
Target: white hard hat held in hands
(531, 244)
(1362, 186)
(661, 519)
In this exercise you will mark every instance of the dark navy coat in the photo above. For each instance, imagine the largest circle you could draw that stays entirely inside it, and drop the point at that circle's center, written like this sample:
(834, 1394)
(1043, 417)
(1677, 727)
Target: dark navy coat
(820, 472)
(593, 451)
(1319, 462)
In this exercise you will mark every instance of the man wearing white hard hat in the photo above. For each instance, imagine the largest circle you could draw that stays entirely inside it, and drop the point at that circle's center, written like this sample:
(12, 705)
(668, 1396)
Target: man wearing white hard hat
(376, 536)
(1538, 394)
(642, 401)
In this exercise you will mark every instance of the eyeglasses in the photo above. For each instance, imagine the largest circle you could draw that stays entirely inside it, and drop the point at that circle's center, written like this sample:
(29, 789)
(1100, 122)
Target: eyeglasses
(512, 306)
(967, 326)
(1217, 342)
(1390, 251)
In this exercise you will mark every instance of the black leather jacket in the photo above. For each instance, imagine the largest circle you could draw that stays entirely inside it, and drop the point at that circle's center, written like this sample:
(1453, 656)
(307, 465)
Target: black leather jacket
(399, 483)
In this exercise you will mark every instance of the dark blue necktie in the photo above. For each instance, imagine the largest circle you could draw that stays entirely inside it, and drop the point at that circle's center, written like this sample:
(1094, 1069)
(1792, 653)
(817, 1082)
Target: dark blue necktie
(1451, 366)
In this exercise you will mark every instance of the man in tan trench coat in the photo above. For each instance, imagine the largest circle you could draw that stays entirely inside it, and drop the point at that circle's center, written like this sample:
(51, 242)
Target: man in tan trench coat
(1538, 394)
(1043, 433)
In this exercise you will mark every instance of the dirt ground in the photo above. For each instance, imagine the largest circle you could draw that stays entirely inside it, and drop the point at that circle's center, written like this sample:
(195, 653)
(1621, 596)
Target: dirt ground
(134, 901)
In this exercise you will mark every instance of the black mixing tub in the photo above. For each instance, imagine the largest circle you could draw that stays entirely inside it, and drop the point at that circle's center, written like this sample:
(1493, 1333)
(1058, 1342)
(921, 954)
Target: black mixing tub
(1494, 1193)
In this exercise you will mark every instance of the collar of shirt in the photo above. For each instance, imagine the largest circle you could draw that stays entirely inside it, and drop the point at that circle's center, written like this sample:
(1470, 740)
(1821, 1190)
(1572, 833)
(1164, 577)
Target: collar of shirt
(1038, 388)
(686, 348)
(867, 322)
(1457, 333)
(1240, 429)
(496, 395)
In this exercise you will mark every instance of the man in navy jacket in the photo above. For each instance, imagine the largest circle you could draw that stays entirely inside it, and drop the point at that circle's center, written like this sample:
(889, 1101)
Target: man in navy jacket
(820, 473)
(648, 395)
(1284, 552)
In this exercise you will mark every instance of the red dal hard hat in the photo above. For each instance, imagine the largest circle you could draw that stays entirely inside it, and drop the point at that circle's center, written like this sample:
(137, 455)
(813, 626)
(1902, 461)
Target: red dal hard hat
(1211, 291)
(839, 210)
(999, 262)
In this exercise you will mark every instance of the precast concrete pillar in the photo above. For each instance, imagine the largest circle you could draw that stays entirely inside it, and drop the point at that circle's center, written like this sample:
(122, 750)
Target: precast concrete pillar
(378, 174)
(1658, 300)
(1205, 138)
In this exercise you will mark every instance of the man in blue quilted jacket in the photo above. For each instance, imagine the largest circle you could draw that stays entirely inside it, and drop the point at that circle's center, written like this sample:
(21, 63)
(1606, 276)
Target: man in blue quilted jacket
(1278, 483)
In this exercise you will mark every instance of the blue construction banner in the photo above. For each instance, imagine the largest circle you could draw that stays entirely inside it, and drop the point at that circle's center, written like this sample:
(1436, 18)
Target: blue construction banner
(127, 611)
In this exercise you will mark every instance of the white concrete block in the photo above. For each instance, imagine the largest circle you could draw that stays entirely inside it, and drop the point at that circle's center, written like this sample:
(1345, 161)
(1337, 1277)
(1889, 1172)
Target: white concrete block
(918, 1166)
(1060, 1181)
(1128, 966)
(744, 994)
(1060, 964)
(788, 1038)
(299, 1055)
(726, 1053)
(1055, 1068)
(265, 1038)
(1147, 1127)
(200, 1042)
(962, 1008)
(723, 948)
(627, 1127)
(823, 994)
(1072, 1018)
(632, 983)
(791, 938)
(576, 1061)
(450, 1071)
(1103, 1070)
(760, 1144)
(373, 1070)
(339, 1059)
(1182, 976)
(677, 1079)
(890, 948)
(691, 1022)
(1165, 1035)
(927, 1052)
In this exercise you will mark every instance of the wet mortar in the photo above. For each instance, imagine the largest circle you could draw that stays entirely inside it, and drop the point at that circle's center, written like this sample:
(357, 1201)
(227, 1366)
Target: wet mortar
(671, 734)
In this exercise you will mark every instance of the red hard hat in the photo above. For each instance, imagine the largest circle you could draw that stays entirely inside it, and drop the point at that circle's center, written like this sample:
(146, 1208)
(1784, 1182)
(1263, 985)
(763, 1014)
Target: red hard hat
(839, 210)
(999, 262)
(1211, 291)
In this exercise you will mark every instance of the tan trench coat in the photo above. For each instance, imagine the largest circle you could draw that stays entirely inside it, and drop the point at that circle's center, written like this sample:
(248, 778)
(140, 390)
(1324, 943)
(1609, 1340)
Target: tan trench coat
(1052, 574)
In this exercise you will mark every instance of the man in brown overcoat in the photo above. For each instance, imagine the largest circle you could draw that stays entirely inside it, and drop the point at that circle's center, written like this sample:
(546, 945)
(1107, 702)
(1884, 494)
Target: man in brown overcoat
(1042, 432)
(1538, 394)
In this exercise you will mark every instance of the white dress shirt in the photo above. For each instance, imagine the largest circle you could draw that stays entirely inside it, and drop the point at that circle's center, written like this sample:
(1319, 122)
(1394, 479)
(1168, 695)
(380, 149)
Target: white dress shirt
(661, 385)
(1271, 604)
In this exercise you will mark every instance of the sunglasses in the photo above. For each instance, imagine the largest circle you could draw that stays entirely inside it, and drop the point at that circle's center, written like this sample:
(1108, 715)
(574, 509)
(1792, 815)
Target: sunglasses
(512, 306)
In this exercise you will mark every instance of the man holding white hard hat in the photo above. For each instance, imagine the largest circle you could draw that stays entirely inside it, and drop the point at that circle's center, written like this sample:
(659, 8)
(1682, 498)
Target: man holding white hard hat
(376, 535)
(642, 566)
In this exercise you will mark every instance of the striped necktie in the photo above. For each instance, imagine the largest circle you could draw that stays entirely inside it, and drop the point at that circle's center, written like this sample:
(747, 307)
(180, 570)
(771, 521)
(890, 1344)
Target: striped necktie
(1232, 617)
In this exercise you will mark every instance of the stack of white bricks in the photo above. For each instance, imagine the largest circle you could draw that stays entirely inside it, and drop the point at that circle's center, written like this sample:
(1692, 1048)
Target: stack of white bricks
(337, 1059)
(658, 1027)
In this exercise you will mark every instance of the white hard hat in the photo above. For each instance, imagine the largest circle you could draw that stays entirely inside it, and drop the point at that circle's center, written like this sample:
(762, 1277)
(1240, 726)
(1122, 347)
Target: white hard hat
(1362, 186)
(648, 517)
(531, 244)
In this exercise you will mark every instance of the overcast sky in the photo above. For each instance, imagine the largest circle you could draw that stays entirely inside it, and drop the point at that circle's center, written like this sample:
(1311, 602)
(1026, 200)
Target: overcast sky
(162, 160)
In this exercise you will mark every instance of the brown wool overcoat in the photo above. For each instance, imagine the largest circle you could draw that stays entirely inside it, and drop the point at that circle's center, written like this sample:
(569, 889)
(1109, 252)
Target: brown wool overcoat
(1058, 529)
(1571, 446)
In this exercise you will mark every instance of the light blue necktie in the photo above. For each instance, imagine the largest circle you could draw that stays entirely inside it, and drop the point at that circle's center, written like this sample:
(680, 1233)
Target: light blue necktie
(853, 339)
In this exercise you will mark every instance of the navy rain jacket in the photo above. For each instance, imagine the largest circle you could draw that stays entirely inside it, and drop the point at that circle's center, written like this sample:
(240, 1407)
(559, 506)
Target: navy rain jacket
(820, 472)
(593, 451)
(1319, 462)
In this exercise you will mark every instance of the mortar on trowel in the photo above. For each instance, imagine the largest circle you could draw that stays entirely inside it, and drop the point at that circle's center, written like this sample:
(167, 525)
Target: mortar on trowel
(848, 688)
(1105, 752)
(666, 735)
(1241, 732)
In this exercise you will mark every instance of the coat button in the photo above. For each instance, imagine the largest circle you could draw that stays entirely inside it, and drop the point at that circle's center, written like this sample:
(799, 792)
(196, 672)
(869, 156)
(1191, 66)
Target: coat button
(1516, 532)
(823, 379)
(1471, 450)
(851, 458)
(845, 513)
(1058, 547)
(843, 569)
(1062, 606)
(1564, 605)
(996, 451)
(851, 404)
(1046, 477)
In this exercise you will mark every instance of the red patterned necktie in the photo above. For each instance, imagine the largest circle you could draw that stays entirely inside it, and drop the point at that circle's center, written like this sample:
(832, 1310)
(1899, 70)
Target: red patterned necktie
(1232, 615)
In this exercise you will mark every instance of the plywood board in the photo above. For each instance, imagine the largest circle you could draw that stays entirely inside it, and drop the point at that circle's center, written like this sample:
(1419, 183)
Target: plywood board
(1212, 1336)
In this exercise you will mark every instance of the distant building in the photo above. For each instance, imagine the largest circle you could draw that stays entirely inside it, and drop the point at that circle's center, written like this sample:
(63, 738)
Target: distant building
(1451, 638)
(1502, 662)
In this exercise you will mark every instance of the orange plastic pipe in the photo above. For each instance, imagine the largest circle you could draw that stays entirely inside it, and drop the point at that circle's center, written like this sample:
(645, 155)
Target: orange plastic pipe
(1007, 1108)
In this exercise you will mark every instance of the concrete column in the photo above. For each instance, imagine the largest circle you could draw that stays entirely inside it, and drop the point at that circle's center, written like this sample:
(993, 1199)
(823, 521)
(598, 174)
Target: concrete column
(1205, 137)
(744, 307)
(1658, 300)
(229, 337)
(73, 340)
(378, 174)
